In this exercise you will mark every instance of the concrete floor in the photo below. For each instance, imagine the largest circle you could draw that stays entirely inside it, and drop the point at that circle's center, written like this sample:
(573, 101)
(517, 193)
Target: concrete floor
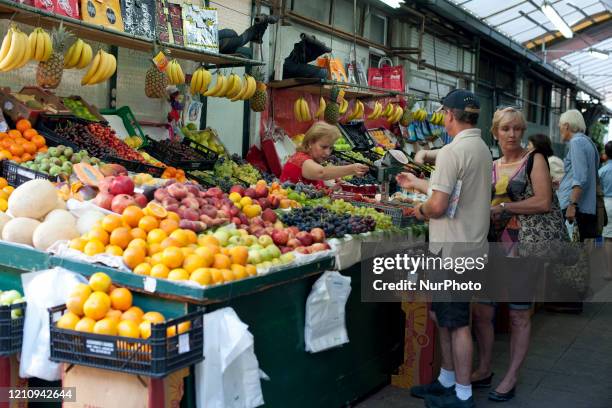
(569, 365)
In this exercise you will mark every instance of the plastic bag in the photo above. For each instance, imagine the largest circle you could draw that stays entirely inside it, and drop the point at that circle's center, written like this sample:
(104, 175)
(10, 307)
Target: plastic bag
(36, 349)
(325, 316)
(230, 376)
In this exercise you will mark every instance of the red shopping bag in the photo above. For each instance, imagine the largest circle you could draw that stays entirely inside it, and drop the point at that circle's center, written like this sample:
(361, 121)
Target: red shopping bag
(375, 77)
(393, 78)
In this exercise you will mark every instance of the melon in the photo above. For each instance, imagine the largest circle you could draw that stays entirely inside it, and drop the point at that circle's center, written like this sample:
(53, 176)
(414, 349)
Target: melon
(33, 199)
(4, 218)
(61, 215)
(20, 230)
(49, 232)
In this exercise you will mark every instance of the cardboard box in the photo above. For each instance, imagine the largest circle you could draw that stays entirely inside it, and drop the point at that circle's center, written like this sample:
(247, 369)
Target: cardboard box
(96, 388)
(9, 377)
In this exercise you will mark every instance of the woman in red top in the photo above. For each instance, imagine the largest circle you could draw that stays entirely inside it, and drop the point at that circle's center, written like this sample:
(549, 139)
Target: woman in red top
(304, 166)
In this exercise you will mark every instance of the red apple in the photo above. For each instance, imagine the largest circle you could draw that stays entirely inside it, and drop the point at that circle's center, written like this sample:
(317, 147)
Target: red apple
(261, 191)
(120, 202)
(141, 200)
(104, 200)
(263, 203)
(302, 250)
(121, 185)
(294, 230)
(280, 237)
(104, 184)
(317, 247)
(237, 189)
(250, 192)
(286, 249)
(305, 238)
(274, 201)
(269, 215)
(294, 243)
(318, 235)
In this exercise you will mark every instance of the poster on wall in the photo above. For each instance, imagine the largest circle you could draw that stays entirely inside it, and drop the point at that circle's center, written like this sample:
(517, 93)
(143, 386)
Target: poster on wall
(201, 27)
(193, 113)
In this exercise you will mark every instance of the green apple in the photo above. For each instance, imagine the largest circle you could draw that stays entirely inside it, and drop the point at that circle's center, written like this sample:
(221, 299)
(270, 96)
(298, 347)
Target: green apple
(265, 240)
(276, 262)
(222, 236)
(236, 240)
(287, 257)
(266, 254)
(276, 252)
(255, 247)
(250, 240)
(9, 296)
(265, 264)
(235, 232)
(254, 257)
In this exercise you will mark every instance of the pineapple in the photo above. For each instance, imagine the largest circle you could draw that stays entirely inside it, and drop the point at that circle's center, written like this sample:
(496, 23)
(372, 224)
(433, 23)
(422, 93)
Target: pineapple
(259, 100)
(332, 110)
(406, 118)
(49, 73)
(156, 83)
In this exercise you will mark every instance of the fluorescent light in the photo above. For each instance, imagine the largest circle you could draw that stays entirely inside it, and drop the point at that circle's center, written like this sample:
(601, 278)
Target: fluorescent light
(602, 55)
(393, 3)
(556, 19)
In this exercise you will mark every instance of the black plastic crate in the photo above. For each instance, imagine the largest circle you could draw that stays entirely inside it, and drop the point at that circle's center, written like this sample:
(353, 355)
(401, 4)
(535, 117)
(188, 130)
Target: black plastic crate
(16, 175)
(135, 166)
(158, 151)
(47, 124)
(357, 135)
(209, 154)
(11, 330)
(156, 357)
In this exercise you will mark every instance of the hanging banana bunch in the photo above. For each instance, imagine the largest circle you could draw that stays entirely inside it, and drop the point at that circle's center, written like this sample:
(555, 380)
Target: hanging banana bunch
(301, 111)
(15, 51)
(200, 80)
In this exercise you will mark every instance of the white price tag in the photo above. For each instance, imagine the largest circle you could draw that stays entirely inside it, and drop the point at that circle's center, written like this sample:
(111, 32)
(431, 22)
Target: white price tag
(150, 284)
(183, 346)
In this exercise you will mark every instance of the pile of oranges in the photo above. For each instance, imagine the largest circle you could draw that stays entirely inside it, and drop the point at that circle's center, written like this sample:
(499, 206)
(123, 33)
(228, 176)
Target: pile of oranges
(151, 243)
(174, 173)
(101, 308)
(5, 193)
(21, 144)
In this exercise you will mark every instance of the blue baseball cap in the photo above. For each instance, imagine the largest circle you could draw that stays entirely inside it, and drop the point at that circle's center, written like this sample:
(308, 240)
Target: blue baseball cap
(461, 99)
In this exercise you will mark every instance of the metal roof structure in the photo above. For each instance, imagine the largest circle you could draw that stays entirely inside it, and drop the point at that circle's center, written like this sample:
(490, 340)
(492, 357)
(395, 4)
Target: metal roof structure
(586, 54)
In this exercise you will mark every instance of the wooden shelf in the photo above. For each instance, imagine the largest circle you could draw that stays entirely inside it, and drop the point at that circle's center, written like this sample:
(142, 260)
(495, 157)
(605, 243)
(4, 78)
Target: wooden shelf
(36, 17)
(323, 88)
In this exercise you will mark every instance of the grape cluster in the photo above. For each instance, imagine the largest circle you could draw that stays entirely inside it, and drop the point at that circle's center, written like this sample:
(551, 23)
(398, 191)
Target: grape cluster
(336, 161)
(334, 225)
(359, 157)
(237, 167)
(309, 190)
(366, 180)
(383, 221)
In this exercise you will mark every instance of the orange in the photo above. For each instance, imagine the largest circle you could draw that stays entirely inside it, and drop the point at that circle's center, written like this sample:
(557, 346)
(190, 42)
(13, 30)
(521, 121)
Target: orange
(228, 275)
(156, 210)
(193, 262)
(81, 289)
(16, 150)
(22, 125)
(68, 321)
(207, 255)
(102, 297)
(154, 248)
(173, 216)
(201, 276)
(93, 247)
(121, 299)
(221, 261)
(85, 325)
(145, 329)
(138, 243)
(99, 282)
(111, 222)
(156, 236)
(214, 249)
(160, 271)
(128, 328)
(120, 236)
(205, 240)
(182, 328)
(75, 303)
(178, 274)
(78, 244)
(14, 134)
(239, 255)
(114, 250)
(28, 134)
(95, 307)
(114, 314)
(251, 270)
(106, 326)
(29, 147)
(132, 215)
(181, 236)
(98, 233)
(133, 256)
(168, 225)
(39, 141)
(170, 242)
(192, 237)
(134, 313)
(5, 155)
(172, 257)
(216, 275)
(239, 271)
(138, 233)
(148, 223)
(42, 149)
(187, 251)
(8, 189)
(157, 257)
(143, 269)
(154, 317)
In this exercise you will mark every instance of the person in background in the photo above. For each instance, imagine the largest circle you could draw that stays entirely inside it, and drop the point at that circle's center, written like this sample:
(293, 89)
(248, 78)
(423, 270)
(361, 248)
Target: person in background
(542, 143)
(605, 176)
(463, 168)
(316, 147)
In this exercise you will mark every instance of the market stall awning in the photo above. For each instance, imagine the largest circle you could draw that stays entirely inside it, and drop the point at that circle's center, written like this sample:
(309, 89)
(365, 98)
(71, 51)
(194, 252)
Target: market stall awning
(574, 35)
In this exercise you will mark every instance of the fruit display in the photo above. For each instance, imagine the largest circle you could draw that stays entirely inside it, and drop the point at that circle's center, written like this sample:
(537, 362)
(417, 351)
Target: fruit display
(395, 114)
(5, 193)
(156, 83)
(259, 100)
(332, 110)
(59, 161)
(332, 223)
(437, 118)
(207, 138)
(79, 55)
(377, 112)
(200, 80)
(101, 68)
(174, 173)
(224, 183)
(31, 102)
(301, 111)
(21, 144)
(15, 51)
(117, 193)
(366, 180)
(381, 139)
(175, 73)
(102, 308)
(264, 196)
(356, 112)
(382, 221)
(133, 141)
(342, 144)
(308, 190)
(49, 71)
(358, 156)
(229, 167)
(12, 297)
(421, 114)
(40, 44)
(79, 109)
(151, 160)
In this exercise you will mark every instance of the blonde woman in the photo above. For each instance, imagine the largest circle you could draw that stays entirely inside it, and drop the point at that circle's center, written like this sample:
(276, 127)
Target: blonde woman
(316, 147)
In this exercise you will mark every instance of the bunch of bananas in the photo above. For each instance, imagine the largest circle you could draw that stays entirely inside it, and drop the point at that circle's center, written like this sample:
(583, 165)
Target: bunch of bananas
(321, 110)
(15, 51)
(357, 112)
(175, 73)
(420, 115)
(343, 106)
(437, 118)
(40, 44)
(79, 55)
(200, 80)
(301, 111)
(102, 67)
(395, 115)
(377, 112)
(241, 90)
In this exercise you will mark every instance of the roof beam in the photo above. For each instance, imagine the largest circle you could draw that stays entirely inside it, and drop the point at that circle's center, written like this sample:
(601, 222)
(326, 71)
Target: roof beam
(592, 35)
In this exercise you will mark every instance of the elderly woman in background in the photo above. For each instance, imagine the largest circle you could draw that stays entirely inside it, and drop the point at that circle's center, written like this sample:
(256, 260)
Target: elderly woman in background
(543, 144)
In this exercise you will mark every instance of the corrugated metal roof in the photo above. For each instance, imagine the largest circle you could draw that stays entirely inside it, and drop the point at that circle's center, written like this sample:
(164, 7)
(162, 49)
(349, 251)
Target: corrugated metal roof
(524, 22)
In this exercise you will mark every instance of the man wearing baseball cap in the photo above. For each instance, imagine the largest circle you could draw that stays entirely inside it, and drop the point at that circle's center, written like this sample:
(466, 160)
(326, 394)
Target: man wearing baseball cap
(463, 172)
